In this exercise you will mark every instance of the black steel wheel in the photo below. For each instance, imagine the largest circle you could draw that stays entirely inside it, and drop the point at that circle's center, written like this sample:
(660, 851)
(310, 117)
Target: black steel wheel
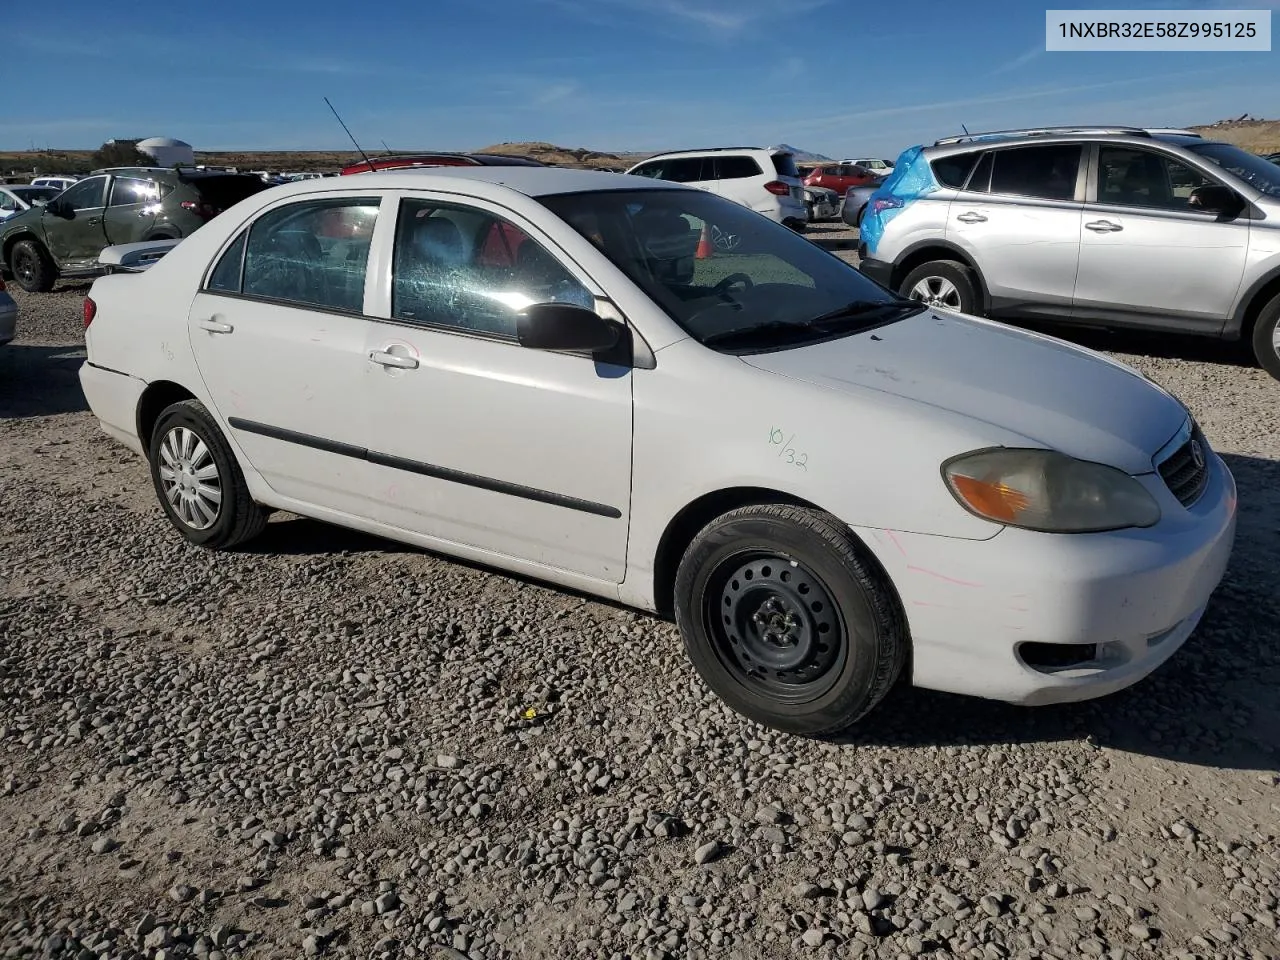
(775, 624)
(788, 620)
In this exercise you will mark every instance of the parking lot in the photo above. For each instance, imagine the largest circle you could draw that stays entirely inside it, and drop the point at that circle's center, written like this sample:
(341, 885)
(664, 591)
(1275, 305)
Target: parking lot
(328, 744)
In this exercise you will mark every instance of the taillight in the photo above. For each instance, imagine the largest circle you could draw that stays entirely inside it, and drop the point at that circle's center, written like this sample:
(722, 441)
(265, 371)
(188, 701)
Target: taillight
(204, 211)
(90, 311)
(778, 188)
(885, 203)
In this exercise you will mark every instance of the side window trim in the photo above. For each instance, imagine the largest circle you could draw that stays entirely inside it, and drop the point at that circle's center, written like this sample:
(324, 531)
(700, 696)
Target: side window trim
(382, 259)
(1081, 166)
(246, 227)
(1095, 177)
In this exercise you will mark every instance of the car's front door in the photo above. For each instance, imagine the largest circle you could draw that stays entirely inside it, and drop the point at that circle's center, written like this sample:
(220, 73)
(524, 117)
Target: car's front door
(1146, 255)
(474, 439)
(132, 205)
(74, 231)
(1019, 219)
(278, 332)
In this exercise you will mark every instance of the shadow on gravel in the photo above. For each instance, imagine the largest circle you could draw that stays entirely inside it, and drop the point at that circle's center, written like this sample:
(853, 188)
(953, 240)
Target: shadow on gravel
(1166, 346)
(836, 243)
(1213, 704)
(39, 381)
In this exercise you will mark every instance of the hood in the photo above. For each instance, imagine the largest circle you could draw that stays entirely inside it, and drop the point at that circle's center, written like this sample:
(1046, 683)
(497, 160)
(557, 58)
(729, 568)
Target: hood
(1073, 400)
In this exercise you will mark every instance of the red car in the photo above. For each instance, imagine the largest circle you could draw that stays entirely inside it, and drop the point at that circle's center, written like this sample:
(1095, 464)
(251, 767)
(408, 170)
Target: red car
(440, 160)
(839, 177)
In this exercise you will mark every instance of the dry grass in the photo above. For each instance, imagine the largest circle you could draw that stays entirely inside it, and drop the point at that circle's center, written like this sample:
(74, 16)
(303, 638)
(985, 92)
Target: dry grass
(1256, 136)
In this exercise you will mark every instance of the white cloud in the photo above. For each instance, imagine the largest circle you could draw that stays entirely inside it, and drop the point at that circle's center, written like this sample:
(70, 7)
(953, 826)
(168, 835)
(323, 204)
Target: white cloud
(1021, 60)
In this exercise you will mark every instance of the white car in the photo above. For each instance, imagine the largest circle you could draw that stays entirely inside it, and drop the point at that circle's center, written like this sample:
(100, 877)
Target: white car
(15, 198)
(764, 179)
(58, 183)
(881, 168)
(547, 371)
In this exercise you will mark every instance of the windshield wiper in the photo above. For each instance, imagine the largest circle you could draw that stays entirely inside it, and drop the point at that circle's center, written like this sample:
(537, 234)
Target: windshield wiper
(767, 331)
(860, 309)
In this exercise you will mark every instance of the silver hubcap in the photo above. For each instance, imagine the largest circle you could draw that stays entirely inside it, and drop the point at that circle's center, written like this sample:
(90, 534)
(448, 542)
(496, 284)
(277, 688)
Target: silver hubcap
(937, 292)
(189, 478)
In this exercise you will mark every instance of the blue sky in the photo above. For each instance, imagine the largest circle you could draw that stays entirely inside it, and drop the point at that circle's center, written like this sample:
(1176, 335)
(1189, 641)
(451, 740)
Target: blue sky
(839, 77)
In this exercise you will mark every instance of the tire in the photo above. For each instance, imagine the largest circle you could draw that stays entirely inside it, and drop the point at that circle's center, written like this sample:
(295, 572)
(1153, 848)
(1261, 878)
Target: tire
(1266, 337)
(809, 210)
(954, 284)
(32, 267)
(752, 570)
(236, 518)
(862, 212)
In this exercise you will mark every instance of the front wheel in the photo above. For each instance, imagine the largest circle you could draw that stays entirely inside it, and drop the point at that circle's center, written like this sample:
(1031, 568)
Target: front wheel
(1266, 338)
(32, 267)
(198, 481)
(948, 284)
(786, 620)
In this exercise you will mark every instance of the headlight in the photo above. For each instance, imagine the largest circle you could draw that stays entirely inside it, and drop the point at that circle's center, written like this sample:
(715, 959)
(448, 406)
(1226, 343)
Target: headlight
(1048, 491)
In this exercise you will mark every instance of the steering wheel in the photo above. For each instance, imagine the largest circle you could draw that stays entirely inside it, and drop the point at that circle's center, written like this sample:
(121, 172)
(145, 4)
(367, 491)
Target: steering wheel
(724, 285)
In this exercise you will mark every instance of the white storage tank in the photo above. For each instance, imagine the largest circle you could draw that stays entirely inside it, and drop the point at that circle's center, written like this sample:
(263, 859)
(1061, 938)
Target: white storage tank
(166, 151)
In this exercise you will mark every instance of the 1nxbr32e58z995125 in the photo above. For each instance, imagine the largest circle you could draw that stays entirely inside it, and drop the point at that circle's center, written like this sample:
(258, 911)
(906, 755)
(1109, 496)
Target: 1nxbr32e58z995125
(827, 485)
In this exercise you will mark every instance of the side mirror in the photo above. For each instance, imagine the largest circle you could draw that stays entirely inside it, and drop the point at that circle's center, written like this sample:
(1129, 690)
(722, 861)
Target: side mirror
(58, 208)
(1216, 199)
(563, 326)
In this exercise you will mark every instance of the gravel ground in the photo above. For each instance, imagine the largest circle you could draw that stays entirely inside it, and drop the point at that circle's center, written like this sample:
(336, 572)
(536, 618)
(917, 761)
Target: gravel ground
(328, 744)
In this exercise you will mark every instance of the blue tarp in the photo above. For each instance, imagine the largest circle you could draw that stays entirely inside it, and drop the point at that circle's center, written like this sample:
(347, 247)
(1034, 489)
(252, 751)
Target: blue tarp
(911, 179)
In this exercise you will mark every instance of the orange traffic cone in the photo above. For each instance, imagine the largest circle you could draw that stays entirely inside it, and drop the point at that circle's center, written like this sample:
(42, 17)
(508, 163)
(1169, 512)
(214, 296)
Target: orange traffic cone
(704, 244)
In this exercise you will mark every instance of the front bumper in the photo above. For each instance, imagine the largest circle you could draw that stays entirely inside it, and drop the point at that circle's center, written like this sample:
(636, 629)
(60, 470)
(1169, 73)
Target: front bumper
(8, 318)
(877, 270)
(1123, 602)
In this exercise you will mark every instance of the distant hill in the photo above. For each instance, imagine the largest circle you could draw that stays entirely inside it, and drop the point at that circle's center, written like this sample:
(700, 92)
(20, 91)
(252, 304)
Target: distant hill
(1247, 133)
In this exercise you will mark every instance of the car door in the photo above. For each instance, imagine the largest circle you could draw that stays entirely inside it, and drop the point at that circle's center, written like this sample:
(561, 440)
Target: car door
(278, 333)
(74, 231)
(475, 440)
(1146, 255)
(132, 205)
(1018, 217)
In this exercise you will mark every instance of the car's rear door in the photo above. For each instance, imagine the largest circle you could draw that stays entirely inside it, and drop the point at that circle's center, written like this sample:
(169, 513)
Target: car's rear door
(132, 205)
(1146, 256)
(476, 440)
(75, 233)
(1018, 218)
(278, 331)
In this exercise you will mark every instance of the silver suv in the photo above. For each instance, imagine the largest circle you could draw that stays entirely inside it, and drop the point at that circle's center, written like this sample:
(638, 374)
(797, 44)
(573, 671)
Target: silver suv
(1102, 226)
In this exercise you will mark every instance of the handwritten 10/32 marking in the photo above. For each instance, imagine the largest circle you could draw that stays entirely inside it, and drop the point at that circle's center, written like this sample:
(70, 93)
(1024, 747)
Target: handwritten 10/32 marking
(778, 438)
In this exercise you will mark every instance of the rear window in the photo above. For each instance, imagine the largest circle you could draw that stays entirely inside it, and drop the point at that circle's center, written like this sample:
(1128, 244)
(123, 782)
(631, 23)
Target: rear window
(1047, 172)
(785, 164)
(951, 171)
(226, 191)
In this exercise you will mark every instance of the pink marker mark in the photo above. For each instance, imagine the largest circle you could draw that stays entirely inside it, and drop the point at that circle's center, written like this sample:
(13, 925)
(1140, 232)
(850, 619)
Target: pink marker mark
(897, 543)
(943, 576)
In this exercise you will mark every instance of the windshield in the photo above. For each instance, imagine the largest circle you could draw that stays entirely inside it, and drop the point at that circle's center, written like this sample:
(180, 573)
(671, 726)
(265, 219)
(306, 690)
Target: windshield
(718, 268)
(1259, 173)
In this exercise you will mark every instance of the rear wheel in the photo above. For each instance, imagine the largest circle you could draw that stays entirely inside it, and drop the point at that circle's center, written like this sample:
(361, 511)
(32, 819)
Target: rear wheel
(200, 486)
(948, 284)
(1266, 338)
(786, 621)
(32, 266)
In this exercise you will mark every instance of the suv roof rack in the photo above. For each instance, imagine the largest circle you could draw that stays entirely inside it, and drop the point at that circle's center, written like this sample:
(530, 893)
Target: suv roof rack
(1173, 131)
(712, 149)
(1045, 131)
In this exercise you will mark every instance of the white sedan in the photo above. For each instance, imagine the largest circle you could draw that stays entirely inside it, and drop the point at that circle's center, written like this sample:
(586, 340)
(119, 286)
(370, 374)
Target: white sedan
(551, 372)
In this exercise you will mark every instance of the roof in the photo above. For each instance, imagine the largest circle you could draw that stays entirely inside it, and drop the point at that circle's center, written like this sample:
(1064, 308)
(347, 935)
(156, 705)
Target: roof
(702, 150)
(531, 181)
(1129, 135)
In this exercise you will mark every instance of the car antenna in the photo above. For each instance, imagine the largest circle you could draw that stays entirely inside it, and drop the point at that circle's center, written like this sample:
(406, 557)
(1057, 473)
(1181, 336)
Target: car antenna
(965, 129)
(385, 147)
(353, 139)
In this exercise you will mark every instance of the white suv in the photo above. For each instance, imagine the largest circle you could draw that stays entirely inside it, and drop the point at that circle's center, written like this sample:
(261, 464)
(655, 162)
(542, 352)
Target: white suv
(763, 179)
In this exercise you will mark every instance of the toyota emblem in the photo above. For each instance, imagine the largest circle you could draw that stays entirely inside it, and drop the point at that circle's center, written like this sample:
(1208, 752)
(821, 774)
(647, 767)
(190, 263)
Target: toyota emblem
(1197, 454)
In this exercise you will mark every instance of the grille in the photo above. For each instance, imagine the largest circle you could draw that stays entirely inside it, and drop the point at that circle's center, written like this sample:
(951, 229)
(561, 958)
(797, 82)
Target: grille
(1186, 470)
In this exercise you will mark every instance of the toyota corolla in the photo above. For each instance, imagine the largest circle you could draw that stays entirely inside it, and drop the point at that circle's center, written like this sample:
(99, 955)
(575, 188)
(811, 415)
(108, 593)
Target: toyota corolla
(554, 372)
